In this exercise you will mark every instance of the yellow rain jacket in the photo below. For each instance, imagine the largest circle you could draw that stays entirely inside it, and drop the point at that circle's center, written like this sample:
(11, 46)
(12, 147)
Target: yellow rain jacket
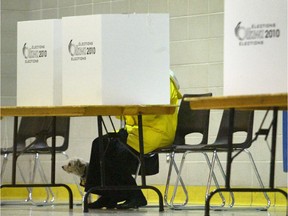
(158, 130)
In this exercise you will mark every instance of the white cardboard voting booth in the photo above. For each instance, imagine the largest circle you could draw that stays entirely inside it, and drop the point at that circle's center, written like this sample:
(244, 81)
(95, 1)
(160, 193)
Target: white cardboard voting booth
(255, 47)
(39, 63)
(116, 59)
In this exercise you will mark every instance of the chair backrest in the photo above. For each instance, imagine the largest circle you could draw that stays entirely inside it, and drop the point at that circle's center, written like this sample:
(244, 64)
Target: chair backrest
(191, 121)
(39, 129)
(243, 122)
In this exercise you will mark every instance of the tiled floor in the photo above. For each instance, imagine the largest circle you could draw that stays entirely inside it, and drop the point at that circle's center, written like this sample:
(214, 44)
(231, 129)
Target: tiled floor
(63, 210)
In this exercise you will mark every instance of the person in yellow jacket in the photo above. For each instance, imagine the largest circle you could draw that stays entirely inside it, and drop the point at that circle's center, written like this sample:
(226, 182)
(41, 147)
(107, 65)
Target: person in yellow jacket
(120, 163)
(158, 130)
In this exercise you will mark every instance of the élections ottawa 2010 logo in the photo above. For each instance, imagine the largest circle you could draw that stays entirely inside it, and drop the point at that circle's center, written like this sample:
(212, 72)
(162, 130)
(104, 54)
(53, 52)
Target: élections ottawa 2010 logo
(256, 34)
(80, 50)
(33, 53)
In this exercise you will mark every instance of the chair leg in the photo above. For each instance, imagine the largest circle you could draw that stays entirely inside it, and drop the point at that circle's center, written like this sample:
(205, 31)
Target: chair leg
(214, 179)
(210, 174)
(224, 177)
(168, 179)
(44, 179)
(179, 179)
(173, 164)
(258, 177)
(137, 170)
(38, 166)
(29, 189)
(32, 179)
(3, 167)
(215, 157)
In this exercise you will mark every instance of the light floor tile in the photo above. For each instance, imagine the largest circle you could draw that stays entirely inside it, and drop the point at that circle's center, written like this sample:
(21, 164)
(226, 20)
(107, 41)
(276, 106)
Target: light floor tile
(63, 210)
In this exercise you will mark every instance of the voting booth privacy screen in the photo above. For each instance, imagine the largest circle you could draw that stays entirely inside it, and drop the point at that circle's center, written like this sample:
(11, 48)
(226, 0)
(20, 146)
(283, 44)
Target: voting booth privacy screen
(255, 51)
(94, 60)
(255, 47)
(116, 59)
(39, 70)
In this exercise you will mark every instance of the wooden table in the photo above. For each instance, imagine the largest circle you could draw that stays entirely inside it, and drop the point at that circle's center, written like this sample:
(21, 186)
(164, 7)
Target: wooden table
(273, 102)
(78, 111)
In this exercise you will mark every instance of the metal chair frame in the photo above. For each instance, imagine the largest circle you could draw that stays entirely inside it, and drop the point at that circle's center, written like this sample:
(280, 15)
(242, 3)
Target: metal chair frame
(39, 129)
(243, 121)
(189, 122)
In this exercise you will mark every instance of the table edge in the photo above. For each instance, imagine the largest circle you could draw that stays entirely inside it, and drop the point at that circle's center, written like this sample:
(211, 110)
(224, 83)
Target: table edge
(86, 110)
(257, 101)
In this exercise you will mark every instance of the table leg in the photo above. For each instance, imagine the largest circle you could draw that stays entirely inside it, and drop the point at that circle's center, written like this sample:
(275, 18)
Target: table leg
(273, 147)
(14, 150)
(143, 172)
(70, 194)
(141, 147)
(53, 151)
(241, 190)
(101, 150)
(229, 152)
(229, 162)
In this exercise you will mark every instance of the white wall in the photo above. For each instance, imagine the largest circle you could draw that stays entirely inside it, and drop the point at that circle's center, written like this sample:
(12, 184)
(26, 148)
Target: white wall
(196, 44)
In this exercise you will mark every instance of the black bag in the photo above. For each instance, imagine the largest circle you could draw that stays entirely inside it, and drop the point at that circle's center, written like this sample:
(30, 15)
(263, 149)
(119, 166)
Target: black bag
(151, 164)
